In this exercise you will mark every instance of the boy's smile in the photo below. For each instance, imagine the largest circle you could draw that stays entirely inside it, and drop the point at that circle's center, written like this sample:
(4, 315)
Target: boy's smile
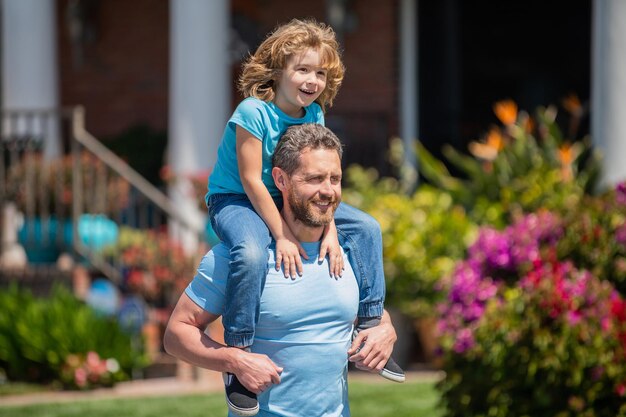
(301, 82)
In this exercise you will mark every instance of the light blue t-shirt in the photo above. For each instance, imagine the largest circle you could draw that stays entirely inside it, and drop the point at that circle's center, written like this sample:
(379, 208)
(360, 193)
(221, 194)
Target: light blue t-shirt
(305, 326)
(268, 123)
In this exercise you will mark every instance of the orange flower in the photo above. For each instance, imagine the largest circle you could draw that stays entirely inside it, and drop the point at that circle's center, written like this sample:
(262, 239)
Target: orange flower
(490, 148)
(506, 111)
(566, 154)
(571, 103)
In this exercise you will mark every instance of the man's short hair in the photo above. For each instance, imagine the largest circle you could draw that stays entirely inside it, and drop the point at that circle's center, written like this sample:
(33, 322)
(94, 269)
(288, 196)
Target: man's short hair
(300, 137)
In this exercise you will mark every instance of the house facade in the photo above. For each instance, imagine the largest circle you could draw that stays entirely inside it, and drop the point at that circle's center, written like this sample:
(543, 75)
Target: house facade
(415, 69)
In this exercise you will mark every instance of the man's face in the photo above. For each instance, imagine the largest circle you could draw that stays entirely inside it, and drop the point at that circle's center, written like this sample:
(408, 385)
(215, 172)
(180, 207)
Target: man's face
(314, 190)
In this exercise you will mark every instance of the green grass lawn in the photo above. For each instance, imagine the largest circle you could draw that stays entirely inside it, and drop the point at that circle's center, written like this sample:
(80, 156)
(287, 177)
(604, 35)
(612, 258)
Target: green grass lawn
(411, 399)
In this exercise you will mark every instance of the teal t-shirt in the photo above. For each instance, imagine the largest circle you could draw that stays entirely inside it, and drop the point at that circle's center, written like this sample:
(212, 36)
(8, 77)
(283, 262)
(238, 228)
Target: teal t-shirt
(305, 326)
(268, 123)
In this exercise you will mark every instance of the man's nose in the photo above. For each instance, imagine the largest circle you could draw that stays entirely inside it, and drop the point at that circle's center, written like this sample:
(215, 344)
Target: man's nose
(326, 188)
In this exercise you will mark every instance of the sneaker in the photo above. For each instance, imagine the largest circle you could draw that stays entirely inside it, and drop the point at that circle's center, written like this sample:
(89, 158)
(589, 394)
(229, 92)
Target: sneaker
(240, 401)
(392, 371)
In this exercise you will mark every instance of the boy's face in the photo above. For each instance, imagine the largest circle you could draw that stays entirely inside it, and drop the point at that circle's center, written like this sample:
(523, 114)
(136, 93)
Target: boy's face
(301, 82)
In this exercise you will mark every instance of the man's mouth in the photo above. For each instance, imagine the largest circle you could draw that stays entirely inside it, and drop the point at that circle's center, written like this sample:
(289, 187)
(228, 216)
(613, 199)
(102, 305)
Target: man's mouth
(323, 204)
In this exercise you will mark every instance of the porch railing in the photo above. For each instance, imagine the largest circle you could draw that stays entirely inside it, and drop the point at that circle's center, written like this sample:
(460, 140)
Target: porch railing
(83, 195)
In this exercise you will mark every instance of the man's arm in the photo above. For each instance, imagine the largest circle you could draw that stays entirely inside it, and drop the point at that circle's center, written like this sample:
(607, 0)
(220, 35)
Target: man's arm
(185, 339)
(377, 343)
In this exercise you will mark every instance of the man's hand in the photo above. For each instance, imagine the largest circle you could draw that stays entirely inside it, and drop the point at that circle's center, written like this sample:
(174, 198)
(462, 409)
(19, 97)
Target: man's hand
(376, 345)
(256, 372)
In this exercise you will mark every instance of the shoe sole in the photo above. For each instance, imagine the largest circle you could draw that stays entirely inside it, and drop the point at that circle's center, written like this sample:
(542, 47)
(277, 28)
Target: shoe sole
(392, 376)
(244, 412)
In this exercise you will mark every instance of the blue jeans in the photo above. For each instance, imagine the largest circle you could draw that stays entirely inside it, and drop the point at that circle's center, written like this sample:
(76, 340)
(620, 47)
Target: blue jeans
(237, 224)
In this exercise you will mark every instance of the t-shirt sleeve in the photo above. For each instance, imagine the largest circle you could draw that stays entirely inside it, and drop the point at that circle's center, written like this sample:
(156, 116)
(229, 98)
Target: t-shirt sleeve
(208, 287)
(319, 115)
(249, 115)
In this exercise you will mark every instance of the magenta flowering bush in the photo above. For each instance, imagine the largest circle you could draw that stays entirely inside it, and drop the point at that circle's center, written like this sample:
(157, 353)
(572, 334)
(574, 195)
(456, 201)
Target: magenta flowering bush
(552, 345)
(595, 236)
(494, 259)
(534, 321)
(468, 295)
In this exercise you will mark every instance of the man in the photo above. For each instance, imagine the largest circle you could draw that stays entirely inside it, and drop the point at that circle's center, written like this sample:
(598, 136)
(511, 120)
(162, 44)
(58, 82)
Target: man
(298, 363)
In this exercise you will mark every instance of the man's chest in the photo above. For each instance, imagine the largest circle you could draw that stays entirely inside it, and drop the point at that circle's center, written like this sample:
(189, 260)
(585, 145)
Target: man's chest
(314, 304)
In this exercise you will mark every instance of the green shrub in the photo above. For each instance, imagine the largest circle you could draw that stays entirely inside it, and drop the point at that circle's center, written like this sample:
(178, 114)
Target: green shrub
(41, 337)
(524, 165)
(595, 236)
(424, 234)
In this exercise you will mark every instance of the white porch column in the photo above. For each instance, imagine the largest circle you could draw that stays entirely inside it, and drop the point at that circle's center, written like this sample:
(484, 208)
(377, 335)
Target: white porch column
(199, 93)
(29, 62)
(608, 87)
(409, 110)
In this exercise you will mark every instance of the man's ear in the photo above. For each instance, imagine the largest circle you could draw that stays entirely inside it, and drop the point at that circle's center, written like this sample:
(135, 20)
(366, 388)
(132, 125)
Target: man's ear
(280, 178)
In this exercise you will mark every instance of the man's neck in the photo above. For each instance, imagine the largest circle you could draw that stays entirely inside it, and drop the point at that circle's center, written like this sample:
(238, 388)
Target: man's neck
(302, 232)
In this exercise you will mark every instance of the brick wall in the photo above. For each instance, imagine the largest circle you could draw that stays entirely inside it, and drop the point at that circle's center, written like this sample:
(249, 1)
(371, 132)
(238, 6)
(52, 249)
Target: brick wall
(123, 79)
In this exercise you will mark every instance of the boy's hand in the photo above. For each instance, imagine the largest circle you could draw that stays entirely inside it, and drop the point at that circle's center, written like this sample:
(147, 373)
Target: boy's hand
(288, 256)
(330, 245)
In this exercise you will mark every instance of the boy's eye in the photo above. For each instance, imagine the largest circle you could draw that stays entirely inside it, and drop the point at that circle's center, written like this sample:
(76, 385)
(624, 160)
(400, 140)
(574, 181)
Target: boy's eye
(321, 73)
(303, 69)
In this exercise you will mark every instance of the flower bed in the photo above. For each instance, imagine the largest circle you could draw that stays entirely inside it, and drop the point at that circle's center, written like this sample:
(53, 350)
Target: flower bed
(528, 328)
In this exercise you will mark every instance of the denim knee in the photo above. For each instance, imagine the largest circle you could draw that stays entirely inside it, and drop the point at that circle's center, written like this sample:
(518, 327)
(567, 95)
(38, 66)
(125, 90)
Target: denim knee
(371, 227)
(249, 256)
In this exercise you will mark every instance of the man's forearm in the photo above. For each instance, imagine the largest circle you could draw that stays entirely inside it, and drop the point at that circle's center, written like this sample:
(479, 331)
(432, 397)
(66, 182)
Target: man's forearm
(192, 345)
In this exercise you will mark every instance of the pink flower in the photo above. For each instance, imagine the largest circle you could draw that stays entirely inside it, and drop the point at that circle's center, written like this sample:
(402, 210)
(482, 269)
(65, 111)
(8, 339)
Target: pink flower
(464, 341)
(574, 317)
(93, 360)
(620, 193)
(80, 377)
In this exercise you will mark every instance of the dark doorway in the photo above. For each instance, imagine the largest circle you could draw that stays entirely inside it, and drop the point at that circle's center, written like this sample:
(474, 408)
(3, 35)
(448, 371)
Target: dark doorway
(473, 53)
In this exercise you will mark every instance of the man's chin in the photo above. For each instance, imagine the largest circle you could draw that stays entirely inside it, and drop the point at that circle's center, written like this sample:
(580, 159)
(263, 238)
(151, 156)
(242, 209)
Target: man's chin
(319, 220)
(324, 214)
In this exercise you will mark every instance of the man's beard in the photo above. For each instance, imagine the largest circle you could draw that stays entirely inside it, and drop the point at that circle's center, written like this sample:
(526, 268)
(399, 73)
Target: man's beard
(304, 212)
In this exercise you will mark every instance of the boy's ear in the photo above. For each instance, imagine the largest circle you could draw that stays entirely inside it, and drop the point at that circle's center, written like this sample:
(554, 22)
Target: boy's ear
(280, 178)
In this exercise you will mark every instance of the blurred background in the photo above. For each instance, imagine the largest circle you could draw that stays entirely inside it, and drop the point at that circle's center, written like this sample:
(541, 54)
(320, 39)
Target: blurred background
(456, 115)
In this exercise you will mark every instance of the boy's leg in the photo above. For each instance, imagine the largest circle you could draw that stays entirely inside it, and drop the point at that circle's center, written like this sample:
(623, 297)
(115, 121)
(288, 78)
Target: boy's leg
(360, 235)
(244, 232)
(246, 235)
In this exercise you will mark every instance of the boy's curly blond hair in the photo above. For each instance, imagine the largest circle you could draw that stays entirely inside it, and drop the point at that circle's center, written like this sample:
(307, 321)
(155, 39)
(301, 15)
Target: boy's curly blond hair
(262, 69)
